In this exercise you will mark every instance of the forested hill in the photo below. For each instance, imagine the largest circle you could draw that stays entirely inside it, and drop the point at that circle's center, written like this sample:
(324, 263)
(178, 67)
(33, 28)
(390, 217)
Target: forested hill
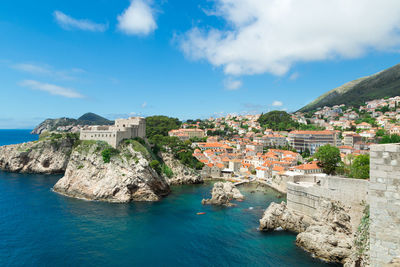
(382, 84)
(86, 119)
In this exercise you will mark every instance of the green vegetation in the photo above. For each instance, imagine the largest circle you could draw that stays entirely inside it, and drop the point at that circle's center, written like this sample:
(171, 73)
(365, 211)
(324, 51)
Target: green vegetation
(160, 125)
(389, 139)
(282, 121)
(167, 171)
(361, 240)
(356, 93)
(155, 164)
(277, 121)
(86, 119)
(360, 167)
(180, 150)
(108, 153)
(157, 128)
(56, 136)
(139, 145)
(328, 157)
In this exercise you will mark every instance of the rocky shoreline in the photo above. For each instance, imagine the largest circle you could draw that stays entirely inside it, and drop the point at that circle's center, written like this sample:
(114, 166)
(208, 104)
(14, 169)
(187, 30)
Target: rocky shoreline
(327, 235)
(95, 171)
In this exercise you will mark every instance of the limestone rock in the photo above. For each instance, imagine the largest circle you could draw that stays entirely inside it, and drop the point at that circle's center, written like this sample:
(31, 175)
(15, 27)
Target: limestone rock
(329, 237)
(127, 177)
(48, 156)
(222, 194)
(279, 216)
(394, 263)
(181, 173)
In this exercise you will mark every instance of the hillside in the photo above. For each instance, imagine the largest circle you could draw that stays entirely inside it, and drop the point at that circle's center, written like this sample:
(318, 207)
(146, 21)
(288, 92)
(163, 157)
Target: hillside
(86, 119)
(382, 84)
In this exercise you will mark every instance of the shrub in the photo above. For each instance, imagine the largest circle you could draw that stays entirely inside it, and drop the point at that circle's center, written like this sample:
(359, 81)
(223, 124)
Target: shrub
(108, 153)
(167, 171)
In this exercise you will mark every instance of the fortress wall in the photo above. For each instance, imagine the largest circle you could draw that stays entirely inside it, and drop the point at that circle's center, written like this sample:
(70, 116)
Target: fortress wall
(305, 197)
(384, 200)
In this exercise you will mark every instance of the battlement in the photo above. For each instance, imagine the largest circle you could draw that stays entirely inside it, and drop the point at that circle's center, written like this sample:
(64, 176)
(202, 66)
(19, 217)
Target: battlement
(113, 135)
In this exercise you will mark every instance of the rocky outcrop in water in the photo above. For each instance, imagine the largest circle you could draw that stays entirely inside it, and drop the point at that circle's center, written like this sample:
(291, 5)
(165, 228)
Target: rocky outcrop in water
(327, 235)
(49, 155)
(181, 174)
(222, 194)
(278, 216)
(122, 176)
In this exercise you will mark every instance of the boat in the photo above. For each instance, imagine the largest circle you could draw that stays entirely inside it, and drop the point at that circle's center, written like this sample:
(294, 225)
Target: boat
(201, 213)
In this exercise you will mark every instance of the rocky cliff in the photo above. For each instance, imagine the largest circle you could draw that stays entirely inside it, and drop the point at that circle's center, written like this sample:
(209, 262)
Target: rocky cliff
(97, 172)
(181, 174)
(49, 155)
(222, 194)
(327, 235)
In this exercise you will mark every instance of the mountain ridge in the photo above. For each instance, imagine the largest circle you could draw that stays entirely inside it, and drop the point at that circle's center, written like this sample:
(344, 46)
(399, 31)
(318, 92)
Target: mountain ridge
(86, 119)
(382, 84)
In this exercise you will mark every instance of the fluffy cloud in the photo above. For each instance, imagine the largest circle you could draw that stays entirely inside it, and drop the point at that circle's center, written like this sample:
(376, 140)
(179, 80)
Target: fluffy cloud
(137, 19)
(70, 23)
(144, 105)
(51, 89)
(231, 84)
(277, 103)
(271, 35)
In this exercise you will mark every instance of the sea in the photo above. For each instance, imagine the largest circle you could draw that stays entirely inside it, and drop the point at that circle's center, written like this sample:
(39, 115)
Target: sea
(39, 227)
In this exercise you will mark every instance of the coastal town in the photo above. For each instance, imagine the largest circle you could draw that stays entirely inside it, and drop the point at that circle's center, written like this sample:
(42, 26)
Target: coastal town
(247, 149)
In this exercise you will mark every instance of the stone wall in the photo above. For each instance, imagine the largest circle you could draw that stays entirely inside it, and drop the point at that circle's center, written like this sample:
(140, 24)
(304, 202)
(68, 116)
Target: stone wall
(384, 200)
(305, 195)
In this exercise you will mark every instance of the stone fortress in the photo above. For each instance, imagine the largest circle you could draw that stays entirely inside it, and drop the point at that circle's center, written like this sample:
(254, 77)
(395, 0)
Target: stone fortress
(382, 192)
(113, 135)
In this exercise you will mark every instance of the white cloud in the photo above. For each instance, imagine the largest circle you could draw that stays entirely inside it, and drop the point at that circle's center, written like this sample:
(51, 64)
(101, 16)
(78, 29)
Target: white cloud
(70, 23)
(144, 105)
(277, 103)
(271, 35)
(231, 84)
(31, 68)
(47, 70)
(137, 19)
(294, 76)
(51, 89)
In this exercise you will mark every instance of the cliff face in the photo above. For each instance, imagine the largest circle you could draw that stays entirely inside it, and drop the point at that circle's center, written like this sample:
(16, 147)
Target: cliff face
(127, 177)
(181, 173)
(327, 235)
(48, 156)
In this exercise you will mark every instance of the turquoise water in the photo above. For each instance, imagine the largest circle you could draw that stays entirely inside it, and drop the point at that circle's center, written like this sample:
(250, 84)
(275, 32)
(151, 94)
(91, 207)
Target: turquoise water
(41, 228)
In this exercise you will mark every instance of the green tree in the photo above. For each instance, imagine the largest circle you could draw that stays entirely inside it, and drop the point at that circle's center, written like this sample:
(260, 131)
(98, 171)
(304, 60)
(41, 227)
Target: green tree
(306, 153)
(360, 167)
(328, 157)
(160, 125)
(277, 121)
(380, 132)
(389, 139)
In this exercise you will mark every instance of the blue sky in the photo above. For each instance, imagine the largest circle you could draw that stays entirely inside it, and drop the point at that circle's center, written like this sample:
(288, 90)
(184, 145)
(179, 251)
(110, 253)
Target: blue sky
(184, 58)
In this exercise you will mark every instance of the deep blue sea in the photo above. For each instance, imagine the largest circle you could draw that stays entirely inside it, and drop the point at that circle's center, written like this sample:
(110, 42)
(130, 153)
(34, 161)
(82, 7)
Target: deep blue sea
(41, 228)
